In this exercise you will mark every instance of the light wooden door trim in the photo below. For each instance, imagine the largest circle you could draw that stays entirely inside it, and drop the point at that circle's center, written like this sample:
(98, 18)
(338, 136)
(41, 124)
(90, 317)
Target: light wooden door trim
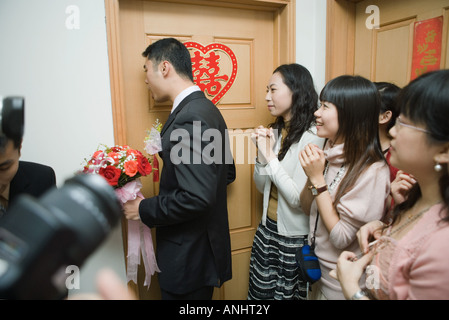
(115, 71)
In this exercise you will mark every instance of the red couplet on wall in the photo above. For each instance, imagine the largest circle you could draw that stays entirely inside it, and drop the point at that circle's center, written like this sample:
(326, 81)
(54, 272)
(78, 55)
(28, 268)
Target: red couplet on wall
(427, 44)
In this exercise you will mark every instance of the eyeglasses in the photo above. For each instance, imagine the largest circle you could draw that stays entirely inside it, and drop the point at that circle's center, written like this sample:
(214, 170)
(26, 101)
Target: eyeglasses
(403, 124)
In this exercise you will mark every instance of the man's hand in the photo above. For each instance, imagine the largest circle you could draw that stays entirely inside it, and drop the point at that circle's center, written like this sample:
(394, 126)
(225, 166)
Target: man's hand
(131, 209)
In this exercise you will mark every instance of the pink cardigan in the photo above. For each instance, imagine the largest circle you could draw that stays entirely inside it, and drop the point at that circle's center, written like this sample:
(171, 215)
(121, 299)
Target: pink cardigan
(365, 202)
(417, 266)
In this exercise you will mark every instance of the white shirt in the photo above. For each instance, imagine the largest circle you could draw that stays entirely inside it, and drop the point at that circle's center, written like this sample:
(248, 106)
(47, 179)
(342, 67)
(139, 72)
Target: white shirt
(289, 177)
(182, 96)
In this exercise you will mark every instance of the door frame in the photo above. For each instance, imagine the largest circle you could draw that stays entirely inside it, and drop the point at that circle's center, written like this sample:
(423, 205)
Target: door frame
(340, 37)
(284, 16)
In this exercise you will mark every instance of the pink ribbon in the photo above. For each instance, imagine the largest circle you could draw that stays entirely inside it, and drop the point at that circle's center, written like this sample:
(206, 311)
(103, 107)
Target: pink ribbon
(139, 238)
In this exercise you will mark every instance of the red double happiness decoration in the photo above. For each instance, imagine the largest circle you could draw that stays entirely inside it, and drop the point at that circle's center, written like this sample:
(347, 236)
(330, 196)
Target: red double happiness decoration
(206, 69)
(427, 46)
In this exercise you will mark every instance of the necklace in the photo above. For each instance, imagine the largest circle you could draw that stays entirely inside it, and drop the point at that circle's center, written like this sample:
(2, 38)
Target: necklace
(337, 178)
(410, 219)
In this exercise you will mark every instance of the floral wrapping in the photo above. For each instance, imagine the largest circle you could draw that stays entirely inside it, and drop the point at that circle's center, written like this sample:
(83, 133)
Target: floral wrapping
(122, 168)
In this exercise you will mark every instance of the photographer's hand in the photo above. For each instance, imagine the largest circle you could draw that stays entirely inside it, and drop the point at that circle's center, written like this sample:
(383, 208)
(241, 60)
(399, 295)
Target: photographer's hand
(109, 286)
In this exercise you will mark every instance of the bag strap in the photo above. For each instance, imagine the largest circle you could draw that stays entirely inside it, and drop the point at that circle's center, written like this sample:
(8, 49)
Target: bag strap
(312, 245)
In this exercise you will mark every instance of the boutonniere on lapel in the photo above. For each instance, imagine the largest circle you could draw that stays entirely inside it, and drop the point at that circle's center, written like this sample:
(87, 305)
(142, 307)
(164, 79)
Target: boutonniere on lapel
(152, 141)
(153, 145)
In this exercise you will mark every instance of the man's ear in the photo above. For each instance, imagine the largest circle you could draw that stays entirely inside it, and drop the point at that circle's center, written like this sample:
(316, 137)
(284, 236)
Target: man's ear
(165, 67)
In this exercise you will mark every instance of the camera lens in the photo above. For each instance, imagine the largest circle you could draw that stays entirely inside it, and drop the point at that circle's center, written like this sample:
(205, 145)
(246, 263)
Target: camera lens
(39, 238)
(88, 205)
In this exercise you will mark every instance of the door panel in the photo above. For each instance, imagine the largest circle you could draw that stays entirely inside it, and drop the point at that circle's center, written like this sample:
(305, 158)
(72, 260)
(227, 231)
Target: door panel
(255, 31)
(385, 54)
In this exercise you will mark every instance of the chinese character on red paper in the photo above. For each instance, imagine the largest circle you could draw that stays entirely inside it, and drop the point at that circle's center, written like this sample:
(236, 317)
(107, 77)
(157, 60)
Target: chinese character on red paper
(427, 46)
(207, 73)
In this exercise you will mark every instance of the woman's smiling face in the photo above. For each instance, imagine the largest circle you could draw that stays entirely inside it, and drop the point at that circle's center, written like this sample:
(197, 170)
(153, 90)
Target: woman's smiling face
(327, 122)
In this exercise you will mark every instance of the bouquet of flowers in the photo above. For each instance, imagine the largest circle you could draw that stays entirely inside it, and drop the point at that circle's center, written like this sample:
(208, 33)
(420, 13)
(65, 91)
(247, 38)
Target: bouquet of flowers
(122, 168)
(119, 165)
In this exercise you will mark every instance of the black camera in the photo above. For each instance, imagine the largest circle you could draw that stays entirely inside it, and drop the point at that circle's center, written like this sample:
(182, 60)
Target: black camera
(12, 118)
(40, 238)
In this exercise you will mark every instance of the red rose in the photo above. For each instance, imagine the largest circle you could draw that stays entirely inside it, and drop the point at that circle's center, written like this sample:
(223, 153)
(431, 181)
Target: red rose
(130, 168)
(111, 174)
(143, 165)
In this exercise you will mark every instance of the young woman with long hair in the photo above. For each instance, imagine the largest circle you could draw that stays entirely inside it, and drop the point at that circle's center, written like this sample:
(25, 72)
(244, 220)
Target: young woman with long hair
(349, 181)
(292, 99)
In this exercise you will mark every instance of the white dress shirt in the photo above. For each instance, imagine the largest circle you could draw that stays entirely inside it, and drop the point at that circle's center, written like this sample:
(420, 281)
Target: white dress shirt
(184, 94)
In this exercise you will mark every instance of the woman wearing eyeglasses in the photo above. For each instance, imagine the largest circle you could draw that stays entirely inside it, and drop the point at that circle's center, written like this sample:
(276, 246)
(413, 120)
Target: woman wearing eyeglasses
(409, 259)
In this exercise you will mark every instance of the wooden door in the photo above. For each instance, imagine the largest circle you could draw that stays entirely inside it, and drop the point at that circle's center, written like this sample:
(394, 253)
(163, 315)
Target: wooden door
(384, 53)
(260, 34)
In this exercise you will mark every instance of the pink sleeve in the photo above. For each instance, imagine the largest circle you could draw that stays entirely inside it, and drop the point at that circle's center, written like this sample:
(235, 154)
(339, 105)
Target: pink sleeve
(364, 203)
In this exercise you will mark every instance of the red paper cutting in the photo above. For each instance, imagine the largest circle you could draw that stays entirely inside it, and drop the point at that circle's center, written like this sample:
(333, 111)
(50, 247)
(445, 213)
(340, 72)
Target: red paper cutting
(206, 69)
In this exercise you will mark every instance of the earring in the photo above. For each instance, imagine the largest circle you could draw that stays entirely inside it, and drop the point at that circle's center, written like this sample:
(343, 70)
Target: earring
(438, 167)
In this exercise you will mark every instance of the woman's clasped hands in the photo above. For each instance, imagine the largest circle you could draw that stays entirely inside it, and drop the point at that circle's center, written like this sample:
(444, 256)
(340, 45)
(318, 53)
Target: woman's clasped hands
(312, 160)
(264, 139)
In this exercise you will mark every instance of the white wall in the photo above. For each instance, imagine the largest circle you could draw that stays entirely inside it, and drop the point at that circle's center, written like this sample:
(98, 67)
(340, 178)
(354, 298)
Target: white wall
(63, 74)
(311, 38)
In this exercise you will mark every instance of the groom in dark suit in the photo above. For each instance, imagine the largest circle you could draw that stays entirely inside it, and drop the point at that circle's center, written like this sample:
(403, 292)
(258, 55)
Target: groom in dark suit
(190, 213)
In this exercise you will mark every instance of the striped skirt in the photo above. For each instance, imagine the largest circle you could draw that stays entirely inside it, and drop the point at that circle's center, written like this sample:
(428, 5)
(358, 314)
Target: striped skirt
(273, 274)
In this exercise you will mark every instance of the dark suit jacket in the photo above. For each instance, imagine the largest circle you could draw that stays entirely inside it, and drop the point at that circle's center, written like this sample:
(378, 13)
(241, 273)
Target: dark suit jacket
(31, 178)
(190, 213)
